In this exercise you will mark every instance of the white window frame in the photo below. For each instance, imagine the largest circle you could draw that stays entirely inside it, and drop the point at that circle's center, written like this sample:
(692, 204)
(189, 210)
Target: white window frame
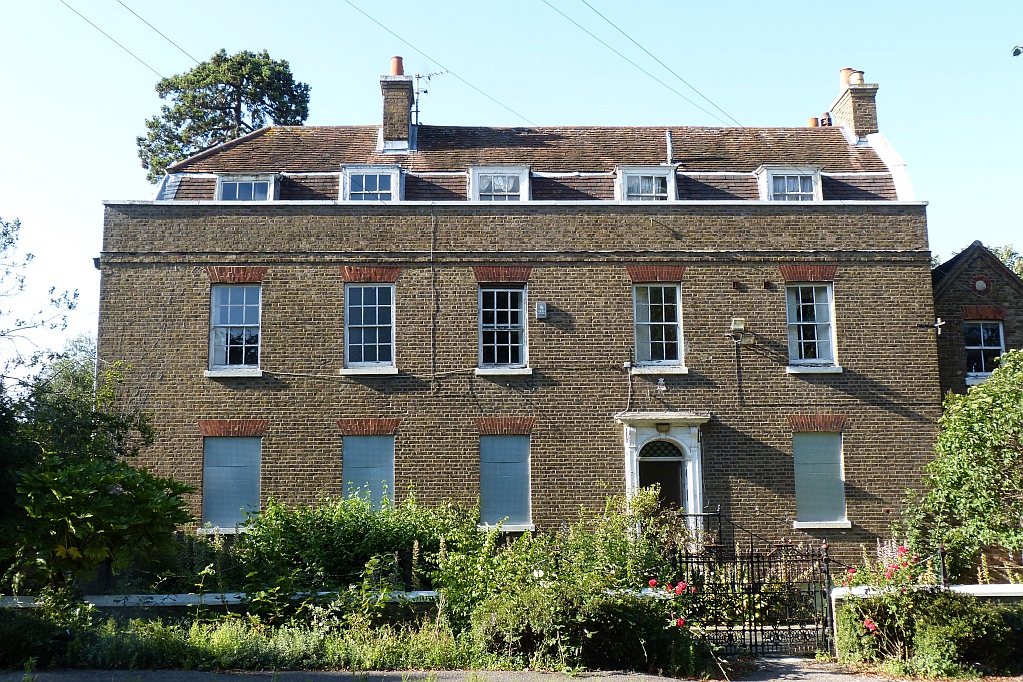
(666, 171)
(676, 366)
(974, 378)
(376, 366)
(509, 367)
(394, 171)
(765, 181)
(799, 365)
(475, 172)
(272, 188)
(234, 370)
(810, 524)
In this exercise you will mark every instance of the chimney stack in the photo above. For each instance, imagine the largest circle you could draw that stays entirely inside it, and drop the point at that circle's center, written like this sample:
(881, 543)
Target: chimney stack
(397, 93)
(855, 109)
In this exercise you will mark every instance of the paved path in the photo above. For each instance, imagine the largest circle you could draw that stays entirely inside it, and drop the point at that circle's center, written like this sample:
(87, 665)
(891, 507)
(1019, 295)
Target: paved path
(765, 670)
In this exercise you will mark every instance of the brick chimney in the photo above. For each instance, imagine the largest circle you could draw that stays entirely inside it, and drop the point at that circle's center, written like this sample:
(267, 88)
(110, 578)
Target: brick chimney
(855, 109)
(397, 92)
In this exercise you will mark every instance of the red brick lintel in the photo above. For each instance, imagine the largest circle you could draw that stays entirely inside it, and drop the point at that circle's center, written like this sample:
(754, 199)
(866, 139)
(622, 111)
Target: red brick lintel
(983, 312)
(814, 423)
(368, 426)
(504, 426)
(374, 273)
(656, 273)
(233, 427)
(502, 274)
(806, 272)
(236, 274)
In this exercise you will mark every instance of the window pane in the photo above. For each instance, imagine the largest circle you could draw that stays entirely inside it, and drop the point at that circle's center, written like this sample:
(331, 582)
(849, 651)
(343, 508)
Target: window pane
(244, 191)
(358, 183)
(229, 191)
(992, 336)
(971, 333)
(260, 190)
(974, 360)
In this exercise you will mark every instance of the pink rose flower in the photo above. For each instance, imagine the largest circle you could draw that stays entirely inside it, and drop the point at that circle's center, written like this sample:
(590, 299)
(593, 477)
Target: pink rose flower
(652, 583)
(680, 622)
(869, 624)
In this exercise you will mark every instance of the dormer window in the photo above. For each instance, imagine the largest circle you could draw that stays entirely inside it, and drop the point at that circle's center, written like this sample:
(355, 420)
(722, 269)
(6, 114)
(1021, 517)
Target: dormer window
(499, 183)
(371, 183)
(245, 188)
(646, 183)
(789, 183)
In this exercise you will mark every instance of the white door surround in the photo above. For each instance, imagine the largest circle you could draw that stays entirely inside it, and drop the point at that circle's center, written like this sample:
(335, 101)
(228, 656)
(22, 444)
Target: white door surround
(680, 428)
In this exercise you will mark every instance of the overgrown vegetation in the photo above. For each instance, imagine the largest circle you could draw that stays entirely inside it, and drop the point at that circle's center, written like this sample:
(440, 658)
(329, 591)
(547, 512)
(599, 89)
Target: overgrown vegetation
(320, 578)
(910, 626)
(973, 496)
(72, 499)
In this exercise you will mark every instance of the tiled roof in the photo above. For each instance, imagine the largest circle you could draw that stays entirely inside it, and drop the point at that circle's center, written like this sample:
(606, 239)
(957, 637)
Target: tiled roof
(586, 149)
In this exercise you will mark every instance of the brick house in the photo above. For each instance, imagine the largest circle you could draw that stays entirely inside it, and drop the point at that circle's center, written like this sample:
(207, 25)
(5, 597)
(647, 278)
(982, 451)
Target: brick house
(981, 302)
(536, 318)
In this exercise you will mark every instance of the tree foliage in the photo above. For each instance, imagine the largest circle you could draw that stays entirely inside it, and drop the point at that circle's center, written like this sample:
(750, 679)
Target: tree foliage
(14, 326)
(76, 501)
(220, 100)
(1010, 257)
(974, 486)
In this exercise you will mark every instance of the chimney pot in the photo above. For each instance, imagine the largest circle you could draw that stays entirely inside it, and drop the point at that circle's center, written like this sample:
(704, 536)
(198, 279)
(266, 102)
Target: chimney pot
(826, 119)
(813, 122)
(856, 78)
(397, 68)
(843, 78)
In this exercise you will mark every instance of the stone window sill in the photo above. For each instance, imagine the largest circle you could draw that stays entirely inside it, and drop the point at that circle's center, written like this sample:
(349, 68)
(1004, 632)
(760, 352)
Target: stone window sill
(224, 372)
(368, 371)
(976, 379)
(813, 369)
(660, 369)
(503, 371)
(809, 525)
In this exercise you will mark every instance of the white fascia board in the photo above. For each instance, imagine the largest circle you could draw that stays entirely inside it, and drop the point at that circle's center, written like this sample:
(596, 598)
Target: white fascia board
(891, 158)
(475, 205)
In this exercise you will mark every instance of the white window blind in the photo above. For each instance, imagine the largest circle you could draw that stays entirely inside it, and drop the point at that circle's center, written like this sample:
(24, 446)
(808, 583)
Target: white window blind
(230, 481)
(504, 480)
(820, 490)
(367, 467)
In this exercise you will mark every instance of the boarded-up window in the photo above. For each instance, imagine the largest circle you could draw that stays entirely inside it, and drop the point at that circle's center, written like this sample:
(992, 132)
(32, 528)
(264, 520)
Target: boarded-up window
(504, 480)
(820, 490)
(367, 467)
(230, 481)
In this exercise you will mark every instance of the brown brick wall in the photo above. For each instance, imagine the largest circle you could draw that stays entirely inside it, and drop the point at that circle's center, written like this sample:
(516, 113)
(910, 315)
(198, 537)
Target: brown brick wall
(955, 300)
(155, 317)
(586, 188)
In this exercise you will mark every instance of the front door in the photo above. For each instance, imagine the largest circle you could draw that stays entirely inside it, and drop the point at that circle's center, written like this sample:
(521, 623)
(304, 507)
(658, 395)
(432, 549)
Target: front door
(662, 462)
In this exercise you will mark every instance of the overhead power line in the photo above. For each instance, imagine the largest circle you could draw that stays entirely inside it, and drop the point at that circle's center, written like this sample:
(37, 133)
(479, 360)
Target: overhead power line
(111, 39)
(492, 99)
(589, 33)
(158, 31)
(668, 68)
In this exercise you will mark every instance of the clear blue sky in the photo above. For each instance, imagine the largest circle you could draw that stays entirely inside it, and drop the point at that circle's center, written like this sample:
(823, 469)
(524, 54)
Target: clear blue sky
(950, 98)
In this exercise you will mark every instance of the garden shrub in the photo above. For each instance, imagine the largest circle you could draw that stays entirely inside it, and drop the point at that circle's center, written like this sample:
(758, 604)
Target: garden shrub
(24, 636)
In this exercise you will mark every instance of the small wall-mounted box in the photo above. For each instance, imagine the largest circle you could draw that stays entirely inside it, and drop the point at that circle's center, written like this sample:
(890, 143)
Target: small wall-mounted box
(541, 310)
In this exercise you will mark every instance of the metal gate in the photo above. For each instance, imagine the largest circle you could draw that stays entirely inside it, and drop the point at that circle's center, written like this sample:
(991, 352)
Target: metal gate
(758, 597)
